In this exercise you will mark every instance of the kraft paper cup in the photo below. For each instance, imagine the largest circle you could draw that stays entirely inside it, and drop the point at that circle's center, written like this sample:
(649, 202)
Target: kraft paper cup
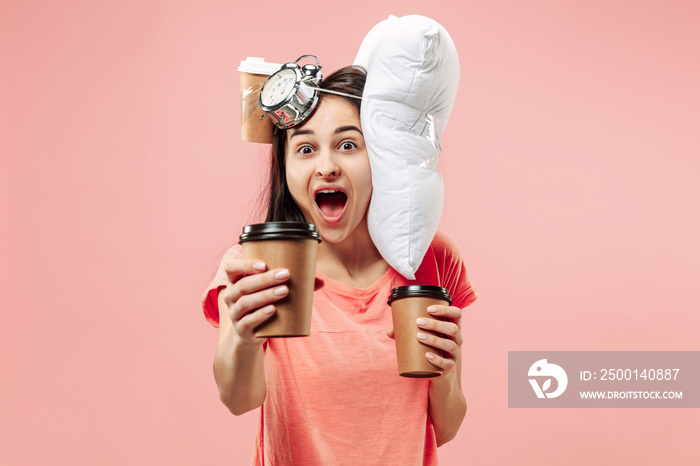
(408, 303)
(293, 246)
(253, 74)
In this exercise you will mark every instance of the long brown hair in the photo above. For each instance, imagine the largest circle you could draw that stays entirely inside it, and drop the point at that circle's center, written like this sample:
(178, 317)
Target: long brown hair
(280, 204)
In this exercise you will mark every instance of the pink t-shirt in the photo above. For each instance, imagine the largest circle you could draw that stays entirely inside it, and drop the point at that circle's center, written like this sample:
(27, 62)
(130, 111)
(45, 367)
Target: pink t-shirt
(335, 397)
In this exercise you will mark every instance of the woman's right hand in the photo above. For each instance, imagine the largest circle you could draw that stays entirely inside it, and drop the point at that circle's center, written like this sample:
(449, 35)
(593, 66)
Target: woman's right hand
(248, 300)
(251, 295)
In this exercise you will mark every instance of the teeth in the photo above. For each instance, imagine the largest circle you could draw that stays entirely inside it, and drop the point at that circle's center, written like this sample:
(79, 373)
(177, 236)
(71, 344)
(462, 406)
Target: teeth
(328, 191)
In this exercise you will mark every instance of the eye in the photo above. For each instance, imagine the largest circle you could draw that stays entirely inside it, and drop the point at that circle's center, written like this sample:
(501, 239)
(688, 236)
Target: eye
(347, 145)
(305, 150)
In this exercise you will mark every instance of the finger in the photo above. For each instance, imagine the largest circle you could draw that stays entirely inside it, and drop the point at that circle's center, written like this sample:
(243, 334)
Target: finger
(445, 344)
(260, 281)
(252, 283)
(449, 312)
(247, 324)
(390, 333)
(318, 283)
(253, 301)
(447, 328)
(444, 363)
(237, 268)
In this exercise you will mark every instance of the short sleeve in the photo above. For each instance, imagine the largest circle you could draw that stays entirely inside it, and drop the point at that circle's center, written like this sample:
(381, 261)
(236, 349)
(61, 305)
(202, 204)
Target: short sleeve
(453, 273)
(210, 299)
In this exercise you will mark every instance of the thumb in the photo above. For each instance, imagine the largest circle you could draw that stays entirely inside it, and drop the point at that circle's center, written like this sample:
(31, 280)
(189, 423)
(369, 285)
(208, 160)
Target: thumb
(390, 333)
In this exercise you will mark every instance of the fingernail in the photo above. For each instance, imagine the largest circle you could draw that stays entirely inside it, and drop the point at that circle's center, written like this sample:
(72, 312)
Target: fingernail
(422, 336)
(422, 322)
(269, 310)
(259, 266)
(282, 274)
(281, 291)
(430, 356)
(432, 310)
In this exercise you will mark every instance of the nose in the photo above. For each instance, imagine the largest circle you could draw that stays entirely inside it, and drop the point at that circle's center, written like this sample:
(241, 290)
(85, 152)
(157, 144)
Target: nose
(327, 166)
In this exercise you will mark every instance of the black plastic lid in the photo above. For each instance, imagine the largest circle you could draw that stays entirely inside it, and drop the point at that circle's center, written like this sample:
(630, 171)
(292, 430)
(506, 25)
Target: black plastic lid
(423, 291)
(279, 230)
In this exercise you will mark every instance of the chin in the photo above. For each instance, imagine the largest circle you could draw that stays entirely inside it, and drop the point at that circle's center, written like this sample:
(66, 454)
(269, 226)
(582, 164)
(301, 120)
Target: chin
(332, 235)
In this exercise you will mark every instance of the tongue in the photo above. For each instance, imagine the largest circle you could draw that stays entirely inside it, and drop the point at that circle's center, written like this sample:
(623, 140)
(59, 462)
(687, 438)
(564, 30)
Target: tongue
(331, 204)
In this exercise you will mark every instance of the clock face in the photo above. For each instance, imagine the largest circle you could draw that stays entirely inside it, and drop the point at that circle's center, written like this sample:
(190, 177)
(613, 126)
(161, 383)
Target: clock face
(278, 88)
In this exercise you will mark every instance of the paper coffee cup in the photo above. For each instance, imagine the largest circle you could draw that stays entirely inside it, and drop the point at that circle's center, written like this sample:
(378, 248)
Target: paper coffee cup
(293, 246)
(408, 303)
(253, 74)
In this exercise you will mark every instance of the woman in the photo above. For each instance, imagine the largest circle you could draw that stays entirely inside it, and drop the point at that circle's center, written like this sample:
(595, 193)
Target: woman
(335, 397)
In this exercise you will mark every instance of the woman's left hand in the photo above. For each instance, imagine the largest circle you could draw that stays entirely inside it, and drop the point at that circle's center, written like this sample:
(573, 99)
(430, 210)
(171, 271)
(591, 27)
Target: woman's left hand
(446, 404)
(447, 322)
(448, 343)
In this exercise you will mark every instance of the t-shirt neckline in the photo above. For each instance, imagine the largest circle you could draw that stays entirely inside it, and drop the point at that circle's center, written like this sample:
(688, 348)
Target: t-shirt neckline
(342, 287)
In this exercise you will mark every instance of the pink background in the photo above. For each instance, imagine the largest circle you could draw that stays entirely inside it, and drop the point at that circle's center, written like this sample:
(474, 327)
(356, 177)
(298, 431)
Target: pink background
(572, 171)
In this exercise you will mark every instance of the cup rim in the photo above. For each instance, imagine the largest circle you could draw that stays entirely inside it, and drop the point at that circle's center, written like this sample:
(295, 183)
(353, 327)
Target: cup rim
(257, 65)
(279, 230)
(420, 291)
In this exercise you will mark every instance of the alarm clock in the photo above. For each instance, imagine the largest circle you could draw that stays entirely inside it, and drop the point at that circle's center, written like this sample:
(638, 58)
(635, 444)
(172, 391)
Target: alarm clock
(290, 95)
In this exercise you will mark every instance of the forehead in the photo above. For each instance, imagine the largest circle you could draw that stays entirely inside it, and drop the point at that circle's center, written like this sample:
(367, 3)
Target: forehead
(331, 112)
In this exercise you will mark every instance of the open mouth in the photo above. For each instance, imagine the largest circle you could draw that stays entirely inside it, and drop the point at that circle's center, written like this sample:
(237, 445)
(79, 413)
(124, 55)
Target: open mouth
(331, 203)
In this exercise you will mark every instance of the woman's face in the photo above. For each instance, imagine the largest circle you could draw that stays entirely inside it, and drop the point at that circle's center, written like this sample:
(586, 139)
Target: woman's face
(328, 170)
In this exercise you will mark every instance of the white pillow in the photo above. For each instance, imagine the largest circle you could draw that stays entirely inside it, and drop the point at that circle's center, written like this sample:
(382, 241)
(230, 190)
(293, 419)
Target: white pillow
(412, 78)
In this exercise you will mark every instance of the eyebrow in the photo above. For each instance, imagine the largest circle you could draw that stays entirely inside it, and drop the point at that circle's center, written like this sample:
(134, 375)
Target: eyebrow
(300, 132)
(341, 129)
